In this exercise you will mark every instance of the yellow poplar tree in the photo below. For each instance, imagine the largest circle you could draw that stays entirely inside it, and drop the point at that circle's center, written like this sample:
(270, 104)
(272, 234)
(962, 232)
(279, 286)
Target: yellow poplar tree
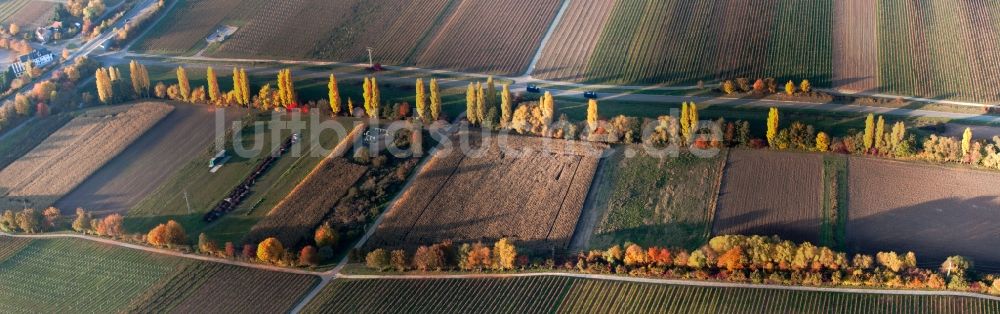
(136, 74)
(480, 104)
(790, 88)
(334, 94)
(376, 98)
(103, 82)
(550, 108)
(869, 132)
(967, 141)
(506, 106)
(685, 122)
(237, 86)
(880, 133)
(592, 114)
(491, 93)
(214, 95)
(421, 101)
(470, 104)
(367, 95)
(245, 87)
(805, 87)
(435, 100)
(183, 84)
(772, 126)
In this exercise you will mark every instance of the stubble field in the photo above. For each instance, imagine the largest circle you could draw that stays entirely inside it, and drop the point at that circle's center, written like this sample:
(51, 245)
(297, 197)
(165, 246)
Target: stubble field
(74, 152)
(767, 193)
(933, 211)
(535, 197)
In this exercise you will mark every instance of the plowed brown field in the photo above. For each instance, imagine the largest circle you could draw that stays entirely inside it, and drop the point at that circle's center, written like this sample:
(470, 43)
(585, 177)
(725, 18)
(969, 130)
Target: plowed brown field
(934, 211)
(766, 192)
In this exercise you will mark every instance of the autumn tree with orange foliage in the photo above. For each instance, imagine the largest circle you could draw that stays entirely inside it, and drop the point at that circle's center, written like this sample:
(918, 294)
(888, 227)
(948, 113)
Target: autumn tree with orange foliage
(635, 255)
(167, 234)
(270, 250)
(659, 256)
(733, 260)
(477, 257)
(308, 256)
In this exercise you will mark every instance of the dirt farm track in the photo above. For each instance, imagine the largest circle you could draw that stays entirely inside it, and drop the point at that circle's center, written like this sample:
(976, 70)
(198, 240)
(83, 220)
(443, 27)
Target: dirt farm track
(180, 137)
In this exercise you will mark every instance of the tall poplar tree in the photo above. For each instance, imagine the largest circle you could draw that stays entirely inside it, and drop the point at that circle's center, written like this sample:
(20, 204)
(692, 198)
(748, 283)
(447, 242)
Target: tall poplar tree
(880, 134)
(592, 115)
(183, 83)
(481, 104)
(421, 101)
(334, 94)
(869, 139)
(435, 100)
(214, 95)
(772, 126)
(506, 106)
(470, 104)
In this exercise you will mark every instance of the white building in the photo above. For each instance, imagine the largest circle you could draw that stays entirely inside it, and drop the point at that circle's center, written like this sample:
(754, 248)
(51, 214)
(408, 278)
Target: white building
(38, 58)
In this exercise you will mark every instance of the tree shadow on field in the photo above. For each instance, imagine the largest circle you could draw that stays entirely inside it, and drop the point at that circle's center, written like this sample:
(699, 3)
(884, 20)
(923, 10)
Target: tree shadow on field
(933, 230)
(459, 231)
(688, 236)
(761, 222)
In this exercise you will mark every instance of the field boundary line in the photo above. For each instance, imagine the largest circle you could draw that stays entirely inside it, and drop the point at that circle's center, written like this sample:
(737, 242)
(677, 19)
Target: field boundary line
(680, 282)
(548, 35)
(714, 205)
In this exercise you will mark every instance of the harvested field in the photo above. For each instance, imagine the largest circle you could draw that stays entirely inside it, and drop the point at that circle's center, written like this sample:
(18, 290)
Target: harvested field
(23, 140)
(535, 197)
(855, 49)
(32, 15)
(766, 193)
(571, 295)
(498, 37)
(933, 211)
(297, 216)
(181, 137)
(574, 41)
(74, 152)
(244, 290)
(655, 202)
(187, 25)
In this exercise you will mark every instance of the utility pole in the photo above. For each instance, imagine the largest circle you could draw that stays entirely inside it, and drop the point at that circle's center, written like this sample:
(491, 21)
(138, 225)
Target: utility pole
(371, 62)
(186, 201)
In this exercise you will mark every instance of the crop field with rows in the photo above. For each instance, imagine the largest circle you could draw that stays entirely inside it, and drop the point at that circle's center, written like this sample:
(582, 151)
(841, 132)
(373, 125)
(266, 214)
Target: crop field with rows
(682, 42)
(70, 155)
(187, 25)
(570, 295)
(516, 189)
(498, 37)
(25, 139)
(505, 295)
(766, 193)
(73, 275)
(11, 7)
(656, 201)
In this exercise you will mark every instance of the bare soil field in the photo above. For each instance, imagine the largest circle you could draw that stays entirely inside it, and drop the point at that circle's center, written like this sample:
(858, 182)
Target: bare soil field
(766, 192)
(498, 36)
(186, 133)
(933, 211)
(574, 40)
(298, 215)
(855, 49)
(535, 197)
(77, 150)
